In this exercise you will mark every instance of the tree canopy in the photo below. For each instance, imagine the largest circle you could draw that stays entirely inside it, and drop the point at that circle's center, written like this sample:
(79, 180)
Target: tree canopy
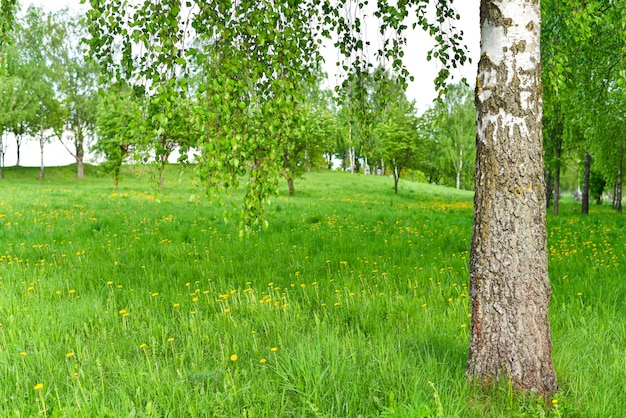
(242, 63)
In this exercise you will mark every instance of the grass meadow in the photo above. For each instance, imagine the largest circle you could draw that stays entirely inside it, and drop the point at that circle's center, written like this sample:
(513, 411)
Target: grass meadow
(354, 302)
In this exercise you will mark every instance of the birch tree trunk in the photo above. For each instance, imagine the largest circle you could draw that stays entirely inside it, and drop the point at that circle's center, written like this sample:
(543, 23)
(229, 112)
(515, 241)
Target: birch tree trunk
(352, 160)
(585, 197)
(459, 169)
(1, 153)
(618, 184)
(556, 189)
(80, 152)
(41, 148)
(396, 178)
(509, 285)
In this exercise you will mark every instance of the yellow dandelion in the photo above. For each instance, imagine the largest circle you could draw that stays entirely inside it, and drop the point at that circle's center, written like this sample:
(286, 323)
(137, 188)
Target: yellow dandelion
(23, 353)
(176, 305)
(273, 349)
(263, 361)
(70, 354)
(233, 357)
(109, 282)
(555, 401)
(170, 340)
(226, 310)
(142, 346)
(38, 386)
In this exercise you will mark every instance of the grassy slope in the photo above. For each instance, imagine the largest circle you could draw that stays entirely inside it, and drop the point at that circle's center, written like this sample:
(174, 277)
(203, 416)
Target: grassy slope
(363, 295)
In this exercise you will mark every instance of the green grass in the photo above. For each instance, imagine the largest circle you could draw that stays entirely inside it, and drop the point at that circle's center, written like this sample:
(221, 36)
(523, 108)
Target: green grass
(352, 303)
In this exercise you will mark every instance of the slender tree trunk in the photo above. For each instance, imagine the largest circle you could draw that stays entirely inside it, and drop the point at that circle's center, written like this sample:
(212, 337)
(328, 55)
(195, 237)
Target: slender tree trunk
(509, 285)
(613, 199)
(352, 160)
(80, 154)
(548, 180)
(18, 146)
(618, 184)
(41, 166)
(292, 189)
(585, 197)
(116, 178)
(396, 178)
(382, 167)
(161, 173)
(459, 170)
(557, 181)
(80, 168)
(1, 152)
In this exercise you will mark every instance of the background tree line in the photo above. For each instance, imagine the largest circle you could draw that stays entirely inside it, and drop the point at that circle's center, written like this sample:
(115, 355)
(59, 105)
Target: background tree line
(584, 98)
(51, 92)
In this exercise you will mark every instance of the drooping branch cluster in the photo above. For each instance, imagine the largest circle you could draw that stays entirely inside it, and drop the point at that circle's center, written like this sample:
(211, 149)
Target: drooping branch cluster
(245, 64)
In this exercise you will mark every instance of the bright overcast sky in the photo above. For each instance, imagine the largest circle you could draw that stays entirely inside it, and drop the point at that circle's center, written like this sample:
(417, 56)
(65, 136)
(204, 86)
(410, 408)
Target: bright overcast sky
(422, 89)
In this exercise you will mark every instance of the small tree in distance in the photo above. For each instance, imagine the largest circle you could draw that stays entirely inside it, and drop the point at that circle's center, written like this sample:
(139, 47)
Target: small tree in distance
(120, 120)
(399, 141)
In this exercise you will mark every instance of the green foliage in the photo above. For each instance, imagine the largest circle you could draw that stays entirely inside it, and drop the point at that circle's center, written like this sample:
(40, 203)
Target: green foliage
(120, 120)
(363, 295)
(243, 64)
(583, 59)
(401, 140)
(596, 185)
(31, 106)
(7, 17)
(75, 80)
(452, 148)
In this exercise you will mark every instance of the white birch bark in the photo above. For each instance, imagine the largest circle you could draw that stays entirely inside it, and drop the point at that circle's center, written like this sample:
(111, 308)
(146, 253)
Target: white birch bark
(509, 282)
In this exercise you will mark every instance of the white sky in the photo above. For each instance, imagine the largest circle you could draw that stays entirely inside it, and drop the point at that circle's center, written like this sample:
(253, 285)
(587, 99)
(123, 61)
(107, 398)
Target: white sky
(421, 90)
